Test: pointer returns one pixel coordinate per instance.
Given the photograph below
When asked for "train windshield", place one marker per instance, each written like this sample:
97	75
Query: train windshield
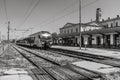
46	36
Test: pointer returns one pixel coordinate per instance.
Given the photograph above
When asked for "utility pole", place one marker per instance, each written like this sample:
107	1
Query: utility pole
8	30
80	23
0	37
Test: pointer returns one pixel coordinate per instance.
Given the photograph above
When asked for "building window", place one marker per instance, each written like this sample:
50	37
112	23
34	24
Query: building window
106	26
116	24
71	30
111	24
65	32
76	29
68	31
38	36
60	31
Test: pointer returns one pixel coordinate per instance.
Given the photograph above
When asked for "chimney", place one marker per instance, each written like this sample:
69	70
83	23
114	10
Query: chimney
117	16
98	14
108	18
91	20
102	19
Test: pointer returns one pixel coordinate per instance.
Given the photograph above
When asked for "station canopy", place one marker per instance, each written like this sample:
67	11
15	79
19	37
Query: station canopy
92	32
102	31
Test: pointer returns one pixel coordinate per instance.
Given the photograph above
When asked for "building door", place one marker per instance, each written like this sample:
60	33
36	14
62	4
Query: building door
82	41
76	40
90	40
98	40
108	40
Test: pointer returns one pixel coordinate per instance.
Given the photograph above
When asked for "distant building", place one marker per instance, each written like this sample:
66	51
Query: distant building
104	33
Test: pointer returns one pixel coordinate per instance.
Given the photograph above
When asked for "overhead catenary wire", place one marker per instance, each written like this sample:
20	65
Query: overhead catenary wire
89	4
71	12
6	13
26	13
29	14
59	12
63	16
63	10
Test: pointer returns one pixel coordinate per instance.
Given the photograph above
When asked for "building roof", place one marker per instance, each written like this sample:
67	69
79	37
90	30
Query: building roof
96	31
110	19
39	33
69	25
103	31
92	24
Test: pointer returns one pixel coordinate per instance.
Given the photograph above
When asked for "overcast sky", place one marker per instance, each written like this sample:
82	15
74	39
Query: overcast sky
49	15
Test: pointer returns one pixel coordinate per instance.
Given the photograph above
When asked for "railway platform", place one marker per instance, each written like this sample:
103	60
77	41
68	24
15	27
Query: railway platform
103	52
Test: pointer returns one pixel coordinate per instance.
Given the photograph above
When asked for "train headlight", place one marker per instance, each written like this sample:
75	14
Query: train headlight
50	42
46	35
43	42
96	79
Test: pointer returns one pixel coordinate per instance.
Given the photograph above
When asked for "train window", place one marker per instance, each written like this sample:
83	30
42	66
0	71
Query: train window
32	38
46	35
39	36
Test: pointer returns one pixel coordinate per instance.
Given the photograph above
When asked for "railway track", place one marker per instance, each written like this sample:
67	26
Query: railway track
27	57
56	71
86	56
40	74
89	74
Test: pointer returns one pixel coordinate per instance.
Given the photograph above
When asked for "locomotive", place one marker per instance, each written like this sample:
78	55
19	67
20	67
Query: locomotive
42	39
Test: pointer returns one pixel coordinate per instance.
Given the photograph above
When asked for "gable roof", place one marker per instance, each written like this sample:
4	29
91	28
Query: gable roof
69	25
93	24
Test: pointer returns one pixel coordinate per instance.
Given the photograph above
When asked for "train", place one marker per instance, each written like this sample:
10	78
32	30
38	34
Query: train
42	39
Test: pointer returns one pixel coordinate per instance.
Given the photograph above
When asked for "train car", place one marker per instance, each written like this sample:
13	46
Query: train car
24	42
42	39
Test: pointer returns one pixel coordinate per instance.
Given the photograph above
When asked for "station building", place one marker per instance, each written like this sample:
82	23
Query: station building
101	34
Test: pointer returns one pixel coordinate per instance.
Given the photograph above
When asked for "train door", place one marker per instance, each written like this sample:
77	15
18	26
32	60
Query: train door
36	43
39	41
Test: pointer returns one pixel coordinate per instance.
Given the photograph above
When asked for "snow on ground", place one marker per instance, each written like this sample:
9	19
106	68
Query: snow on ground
15	74
103	52
16	71
14	65
102	68
62	59
108	72
16	77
